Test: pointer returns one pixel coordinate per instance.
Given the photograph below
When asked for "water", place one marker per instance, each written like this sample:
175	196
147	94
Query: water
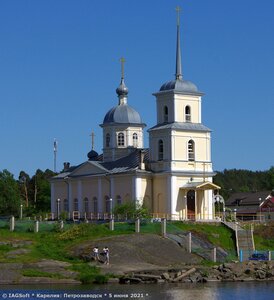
208	291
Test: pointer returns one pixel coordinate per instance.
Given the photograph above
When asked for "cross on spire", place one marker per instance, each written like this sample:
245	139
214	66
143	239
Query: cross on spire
92	140
178	9
122	60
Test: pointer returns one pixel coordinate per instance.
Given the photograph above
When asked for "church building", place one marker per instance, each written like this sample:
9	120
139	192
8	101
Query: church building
172	178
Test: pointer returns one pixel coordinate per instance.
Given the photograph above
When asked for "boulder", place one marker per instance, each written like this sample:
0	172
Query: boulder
260	274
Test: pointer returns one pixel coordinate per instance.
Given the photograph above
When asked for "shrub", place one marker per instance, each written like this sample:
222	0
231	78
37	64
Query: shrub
130	210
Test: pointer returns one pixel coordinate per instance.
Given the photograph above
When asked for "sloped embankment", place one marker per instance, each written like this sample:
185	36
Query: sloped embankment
138	252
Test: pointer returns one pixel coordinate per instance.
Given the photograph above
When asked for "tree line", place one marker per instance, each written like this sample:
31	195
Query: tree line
31	192
233	181
34	192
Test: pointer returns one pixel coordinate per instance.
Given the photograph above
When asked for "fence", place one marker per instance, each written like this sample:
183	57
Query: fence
92	216
257	255
192	243
138	225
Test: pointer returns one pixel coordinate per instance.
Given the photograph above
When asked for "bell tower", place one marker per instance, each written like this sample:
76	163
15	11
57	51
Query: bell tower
122	126
179	141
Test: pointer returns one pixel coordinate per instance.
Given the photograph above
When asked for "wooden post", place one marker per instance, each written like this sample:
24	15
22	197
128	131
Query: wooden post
269	255
137	225
111	224
21	211
214	255
163	227
188	243
36	227
12	223
61	224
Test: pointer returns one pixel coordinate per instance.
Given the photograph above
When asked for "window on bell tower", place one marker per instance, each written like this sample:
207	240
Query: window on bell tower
165	114
191	150
135	140
107	140
160	150
188	113
121	139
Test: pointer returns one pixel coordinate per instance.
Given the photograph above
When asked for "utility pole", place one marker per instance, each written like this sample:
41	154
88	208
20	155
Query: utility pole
55	153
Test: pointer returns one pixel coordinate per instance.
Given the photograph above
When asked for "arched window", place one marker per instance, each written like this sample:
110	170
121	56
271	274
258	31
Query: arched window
160	150
95	205
135	140
188	113
191	150
86	206
121	139
165	114
107	140
66	206
75	204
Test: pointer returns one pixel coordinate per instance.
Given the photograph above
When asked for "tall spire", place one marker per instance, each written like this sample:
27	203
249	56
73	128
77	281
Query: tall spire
178	48
122	90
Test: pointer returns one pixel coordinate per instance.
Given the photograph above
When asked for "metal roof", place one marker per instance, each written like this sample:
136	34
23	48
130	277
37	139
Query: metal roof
205	185
125	164
247	198
124	114
180	85
187	126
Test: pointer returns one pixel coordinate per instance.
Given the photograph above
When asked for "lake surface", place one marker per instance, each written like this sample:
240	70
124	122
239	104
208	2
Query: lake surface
207	291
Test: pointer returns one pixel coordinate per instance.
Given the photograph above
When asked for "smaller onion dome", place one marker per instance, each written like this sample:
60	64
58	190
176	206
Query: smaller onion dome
122	90
92	155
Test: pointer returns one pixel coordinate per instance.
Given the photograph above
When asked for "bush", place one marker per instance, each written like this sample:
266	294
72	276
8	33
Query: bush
265	231
130	210
76	231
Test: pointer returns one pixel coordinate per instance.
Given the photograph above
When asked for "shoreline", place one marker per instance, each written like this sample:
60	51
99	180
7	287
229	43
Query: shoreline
225	272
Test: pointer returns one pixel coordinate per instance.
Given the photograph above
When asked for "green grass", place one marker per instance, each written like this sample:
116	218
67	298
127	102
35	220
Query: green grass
55	245
51	243
264	236
218	235
88	274
37	273
263	244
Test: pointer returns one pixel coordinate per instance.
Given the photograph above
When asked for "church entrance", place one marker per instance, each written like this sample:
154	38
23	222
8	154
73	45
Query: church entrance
191	205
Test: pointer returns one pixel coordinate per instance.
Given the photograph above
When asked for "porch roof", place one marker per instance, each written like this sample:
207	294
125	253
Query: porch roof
205	185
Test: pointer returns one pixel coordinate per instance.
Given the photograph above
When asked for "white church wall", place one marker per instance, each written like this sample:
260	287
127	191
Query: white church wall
194	102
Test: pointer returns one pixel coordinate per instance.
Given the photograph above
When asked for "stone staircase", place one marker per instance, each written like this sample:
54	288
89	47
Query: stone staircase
245	243
244	240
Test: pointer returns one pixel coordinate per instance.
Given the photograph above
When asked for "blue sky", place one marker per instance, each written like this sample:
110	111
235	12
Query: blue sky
59	68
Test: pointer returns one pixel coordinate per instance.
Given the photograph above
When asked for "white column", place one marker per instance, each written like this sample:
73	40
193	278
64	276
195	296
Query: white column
80	197
209	201
196	205
112	188
172	150
128	138
172	195
203	206
70	201
200	111
138	190
99	193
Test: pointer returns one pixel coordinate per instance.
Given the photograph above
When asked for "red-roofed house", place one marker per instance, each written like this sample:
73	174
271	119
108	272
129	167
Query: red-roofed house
267	208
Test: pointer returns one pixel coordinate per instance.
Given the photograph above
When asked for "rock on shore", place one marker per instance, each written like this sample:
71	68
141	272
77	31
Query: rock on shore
247	271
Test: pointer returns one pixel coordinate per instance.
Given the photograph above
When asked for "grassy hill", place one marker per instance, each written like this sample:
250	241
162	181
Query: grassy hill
51	243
